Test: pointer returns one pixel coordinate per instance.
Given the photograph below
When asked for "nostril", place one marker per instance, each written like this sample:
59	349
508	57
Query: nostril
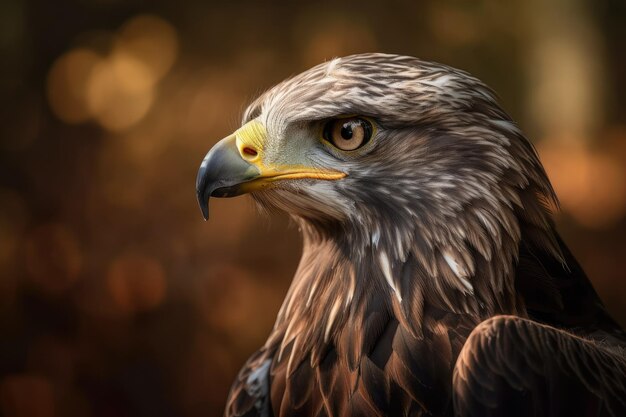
250	151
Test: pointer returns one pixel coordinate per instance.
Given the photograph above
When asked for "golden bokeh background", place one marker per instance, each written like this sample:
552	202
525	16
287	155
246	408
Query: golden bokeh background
116	299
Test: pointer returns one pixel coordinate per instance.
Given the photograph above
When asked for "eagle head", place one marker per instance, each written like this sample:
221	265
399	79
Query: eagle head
398	164
372	146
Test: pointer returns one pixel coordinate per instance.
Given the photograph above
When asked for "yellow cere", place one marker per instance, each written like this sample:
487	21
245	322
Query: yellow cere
251	135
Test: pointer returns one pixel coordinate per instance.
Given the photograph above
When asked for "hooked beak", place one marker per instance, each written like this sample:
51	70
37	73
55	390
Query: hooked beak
222	173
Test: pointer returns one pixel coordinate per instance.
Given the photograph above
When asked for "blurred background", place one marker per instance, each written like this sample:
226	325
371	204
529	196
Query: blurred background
116	298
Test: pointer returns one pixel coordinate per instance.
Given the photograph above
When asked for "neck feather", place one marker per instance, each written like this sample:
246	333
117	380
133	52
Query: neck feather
343	280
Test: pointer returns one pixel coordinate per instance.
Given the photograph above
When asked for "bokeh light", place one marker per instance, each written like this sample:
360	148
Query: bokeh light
136	283
53	258
68	81
151	41
112	97
116	90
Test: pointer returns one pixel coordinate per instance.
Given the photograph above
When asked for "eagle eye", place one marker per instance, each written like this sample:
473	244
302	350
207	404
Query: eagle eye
348	134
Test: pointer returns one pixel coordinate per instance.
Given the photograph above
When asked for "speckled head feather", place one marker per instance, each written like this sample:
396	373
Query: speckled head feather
431	230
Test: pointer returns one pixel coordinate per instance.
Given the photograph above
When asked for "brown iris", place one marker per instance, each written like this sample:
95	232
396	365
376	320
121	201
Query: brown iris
348	134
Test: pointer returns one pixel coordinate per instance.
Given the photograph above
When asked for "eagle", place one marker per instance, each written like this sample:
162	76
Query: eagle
432	280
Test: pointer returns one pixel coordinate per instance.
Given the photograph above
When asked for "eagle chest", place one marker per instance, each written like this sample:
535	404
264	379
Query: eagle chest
397	374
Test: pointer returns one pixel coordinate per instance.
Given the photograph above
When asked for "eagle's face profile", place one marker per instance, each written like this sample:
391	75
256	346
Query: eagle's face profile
354	140
427	237
386	152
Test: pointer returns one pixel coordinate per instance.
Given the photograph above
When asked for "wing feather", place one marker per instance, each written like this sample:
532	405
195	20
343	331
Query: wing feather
511	366
249	394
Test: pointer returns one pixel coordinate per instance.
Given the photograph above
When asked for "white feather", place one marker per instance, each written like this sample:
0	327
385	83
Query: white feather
386	268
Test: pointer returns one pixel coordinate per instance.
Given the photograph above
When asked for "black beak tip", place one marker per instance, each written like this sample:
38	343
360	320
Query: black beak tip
221	173
203	202
204	207
202	194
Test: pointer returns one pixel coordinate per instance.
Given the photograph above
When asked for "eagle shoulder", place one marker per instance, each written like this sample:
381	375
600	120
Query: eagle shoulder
249	394
512	366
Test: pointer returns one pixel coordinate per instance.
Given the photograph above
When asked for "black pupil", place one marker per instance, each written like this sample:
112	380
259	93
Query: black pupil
346	131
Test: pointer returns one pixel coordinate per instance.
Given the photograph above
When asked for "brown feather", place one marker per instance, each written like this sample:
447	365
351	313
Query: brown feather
432	280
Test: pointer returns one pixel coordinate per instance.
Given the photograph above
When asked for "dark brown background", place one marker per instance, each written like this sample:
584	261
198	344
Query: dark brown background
116	299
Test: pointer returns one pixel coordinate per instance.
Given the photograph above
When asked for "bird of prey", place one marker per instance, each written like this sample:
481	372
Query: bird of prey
432	280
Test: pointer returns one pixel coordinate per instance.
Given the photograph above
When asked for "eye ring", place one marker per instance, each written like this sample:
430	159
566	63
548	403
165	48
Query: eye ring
348	134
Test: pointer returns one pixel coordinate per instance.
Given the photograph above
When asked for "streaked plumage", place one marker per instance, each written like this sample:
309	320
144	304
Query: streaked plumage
432	280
